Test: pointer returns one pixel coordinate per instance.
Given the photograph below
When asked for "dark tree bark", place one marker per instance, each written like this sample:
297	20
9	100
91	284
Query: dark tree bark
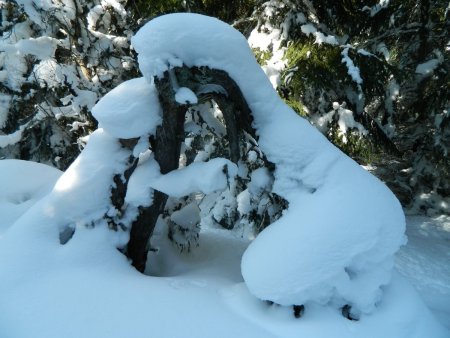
234	107
142	230
119	189
167	147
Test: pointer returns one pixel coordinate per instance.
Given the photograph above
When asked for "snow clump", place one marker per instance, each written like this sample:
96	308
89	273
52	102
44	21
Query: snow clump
133	104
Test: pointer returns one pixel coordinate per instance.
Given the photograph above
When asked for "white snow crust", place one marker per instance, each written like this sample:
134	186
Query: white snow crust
336	241
198	177
263	41
378	7
9	139
130	110
424	261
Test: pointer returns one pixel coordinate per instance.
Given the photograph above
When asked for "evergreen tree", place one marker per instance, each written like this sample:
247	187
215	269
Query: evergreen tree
57	60
374	78
372	75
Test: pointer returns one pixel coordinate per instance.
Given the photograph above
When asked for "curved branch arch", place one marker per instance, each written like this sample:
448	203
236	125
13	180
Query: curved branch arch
170	135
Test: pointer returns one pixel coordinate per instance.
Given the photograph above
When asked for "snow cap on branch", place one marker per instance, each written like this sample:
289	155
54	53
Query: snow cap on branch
130	110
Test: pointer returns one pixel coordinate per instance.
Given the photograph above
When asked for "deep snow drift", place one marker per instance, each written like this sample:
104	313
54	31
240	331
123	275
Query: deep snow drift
86	288
333	246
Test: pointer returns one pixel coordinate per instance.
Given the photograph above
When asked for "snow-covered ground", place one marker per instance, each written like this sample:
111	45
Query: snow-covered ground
425	262
87	288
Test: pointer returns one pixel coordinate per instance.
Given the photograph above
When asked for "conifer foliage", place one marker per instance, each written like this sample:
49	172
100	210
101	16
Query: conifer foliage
57	59
373	76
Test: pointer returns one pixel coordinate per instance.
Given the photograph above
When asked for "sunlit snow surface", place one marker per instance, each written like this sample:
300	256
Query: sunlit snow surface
87	289
334	245
130	110
425	262
22	184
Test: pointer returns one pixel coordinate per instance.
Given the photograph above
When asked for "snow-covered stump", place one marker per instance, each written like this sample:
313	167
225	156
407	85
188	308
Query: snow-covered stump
335	243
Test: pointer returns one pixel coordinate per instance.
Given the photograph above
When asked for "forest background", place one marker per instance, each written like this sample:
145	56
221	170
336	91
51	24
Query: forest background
373	76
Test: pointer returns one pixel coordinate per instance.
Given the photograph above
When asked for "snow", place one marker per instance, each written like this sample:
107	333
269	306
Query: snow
32	9
333	246
260	180
320	38
81	196
352	70
211	88
204	177
428	67
4	108
134	103
423	262
23	184
376	8
269	39
93	16
261	40
87	289
9	139
42	47
345	121
51	74
198	177
187	216
185	96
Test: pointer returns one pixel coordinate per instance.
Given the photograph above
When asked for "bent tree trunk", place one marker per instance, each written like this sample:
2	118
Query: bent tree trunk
169	136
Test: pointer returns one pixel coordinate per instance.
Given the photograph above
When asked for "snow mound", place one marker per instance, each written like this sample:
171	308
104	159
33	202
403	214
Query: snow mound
336	241
134	105
22	185
81	196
